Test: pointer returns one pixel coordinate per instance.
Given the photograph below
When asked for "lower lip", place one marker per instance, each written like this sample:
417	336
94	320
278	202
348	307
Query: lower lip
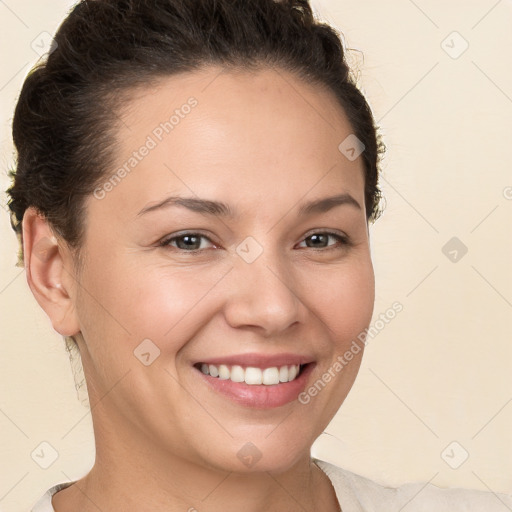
260	396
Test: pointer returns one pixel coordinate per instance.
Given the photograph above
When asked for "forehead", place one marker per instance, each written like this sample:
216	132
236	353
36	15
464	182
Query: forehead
250	137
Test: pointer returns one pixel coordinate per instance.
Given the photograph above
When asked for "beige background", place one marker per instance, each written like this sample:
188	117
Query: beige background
441	370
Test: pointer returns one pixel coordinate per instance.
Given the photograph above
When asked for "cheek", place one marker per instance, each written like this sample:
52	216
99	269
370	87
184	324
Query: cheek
162	303
343	299
124	304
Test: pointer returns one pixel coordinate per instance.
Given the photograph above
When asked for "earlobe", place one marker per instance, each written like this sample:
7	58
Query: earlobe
48	274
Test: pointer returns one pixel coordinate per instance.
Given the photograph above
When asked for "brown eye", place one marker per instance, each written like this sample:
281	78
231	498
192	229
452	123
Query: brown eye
320	240
188	242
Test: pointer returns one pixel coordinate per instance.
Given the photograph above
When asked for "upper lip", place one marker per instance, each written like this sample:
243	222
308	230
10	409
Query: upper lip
259	360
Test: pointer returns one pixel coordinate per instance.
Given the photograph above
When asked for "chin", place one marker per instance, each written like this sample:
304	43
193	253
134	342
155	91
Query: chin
263	453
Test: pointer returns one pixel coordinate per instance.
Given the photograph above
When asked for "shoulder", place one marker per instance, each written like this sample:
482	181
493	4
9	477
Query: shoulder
360	494
44	504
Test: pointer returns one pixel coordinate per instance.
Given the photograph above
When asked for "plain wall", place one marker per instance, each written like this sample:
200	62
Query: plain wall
440	371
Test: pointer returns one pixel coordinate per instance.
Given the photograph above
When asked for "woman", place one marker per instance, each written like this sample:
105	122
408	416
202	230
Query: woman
194	187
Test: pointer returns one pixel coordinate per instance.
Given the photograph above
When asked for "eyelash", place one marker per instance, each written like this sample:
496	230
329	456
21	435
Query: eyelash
344	241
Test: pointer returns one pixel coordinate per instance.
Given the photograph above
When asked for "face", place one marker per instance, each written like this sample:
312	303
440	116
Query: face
257	282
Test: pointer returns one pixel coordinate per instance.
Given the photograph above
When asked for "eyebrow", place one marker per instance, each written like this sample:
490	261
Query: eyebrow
220	209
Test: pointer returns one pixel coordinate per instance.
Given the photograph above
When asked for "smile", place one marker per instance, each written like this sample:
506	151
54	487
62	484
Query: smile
251	375
258	388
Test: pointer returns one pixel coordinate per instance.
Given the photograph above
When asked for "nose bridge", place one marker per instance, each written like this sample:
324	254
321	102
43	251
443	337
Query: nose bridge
264	295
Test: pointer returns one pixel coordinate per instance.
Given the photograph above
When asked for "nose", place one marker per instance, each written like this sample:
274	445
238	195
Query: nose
262	295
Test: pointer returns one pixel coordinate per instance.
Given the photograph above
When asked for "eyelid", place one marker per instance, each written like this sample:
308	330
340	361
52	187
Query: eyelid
326	231
164	242
342	237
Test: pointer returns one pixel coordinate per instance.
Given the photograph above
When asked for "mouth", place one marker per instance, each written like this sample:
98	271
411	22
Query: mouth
257	387
252	375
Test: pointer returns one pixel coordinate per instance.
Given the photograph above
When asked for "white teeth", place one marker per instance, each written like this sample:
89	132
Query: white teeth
251	375
270	376
237	374
223	372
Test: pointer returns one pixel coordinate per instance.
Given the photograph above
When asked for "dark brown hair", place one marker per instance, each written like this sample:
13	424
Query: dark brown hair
66	116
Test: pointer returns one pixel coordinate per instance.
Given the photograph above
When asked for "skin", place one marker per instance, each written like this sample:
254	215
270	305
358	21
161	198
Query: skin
263	142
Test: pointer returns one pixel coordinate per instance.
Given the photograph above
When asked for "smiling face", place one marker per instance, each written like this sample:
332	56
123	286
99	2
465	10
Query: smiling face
258	276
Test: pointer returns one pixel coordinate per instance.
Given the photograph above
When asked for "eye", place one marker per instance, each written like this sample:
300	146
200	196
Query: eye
191	241
188	242
320	239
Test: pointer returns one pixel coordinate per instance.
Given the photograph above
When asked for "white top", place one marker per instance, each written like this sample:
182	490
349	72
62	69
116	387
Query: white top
356	493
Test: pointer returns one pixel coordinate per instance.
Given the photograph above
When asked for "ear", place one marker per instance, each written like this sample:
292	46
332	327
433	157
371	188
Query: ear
49	270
